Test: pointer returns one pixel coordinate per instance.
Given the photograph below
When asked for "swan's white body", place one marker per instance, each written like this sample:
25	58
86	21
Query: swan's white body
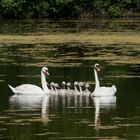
102	91
30	89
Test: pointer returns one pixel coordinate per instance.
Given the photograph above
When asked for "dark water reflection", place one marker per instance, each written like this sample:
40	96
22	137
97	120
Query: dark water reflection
69	117
60	117
68	26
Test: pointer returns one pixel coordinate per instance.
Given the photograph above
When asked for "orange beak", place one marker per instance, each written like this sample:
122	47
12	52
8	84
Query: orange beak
98	69
46	72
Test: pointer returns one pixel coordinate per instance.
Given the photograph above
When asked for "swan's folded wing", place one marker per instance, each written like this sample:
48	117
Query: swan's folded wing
107	91
28	89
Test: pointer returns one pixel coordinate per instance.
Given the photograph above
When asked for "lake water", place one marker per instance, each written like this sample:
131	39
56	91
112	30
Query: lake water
70	117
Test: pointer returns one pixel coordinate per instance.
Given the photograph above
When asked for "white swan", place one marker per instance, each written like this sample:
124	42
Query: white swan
102	91
33	89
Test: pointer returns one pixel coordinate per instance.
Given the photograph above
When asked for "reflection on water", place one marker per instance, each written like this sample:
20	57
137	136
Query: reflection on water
104	103
57	112
68	26
67	101
29	103
66	116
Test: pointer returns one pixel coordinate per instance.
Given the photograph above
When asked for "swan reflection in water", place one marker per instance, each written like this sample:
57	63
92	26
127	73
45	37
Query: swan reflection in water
69	99
105	103
47	103
31	103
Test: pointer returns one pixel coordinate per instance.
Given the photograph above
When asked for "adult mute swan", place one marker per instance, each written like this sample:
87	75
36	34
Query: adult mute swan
101	91
30	89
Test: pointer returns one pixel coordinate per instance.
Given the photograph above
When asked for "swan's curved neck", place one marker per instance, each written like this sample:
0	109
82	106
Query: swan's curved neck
44	83
97	84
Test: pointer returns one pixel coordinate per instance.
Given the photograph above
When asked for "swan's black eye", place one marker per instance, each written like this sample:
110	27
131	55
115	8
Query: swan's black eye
97	66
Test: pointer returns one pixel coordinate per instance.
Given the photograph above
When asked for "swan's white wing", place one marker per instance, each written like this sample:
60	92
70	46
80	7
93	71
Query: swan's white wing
28	89
107	91
104	91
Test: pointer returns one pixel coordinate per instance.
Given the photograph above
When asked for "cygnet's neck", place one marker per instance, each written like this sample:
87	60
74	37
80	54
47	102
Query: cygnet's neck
44	83
97	84
75	88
